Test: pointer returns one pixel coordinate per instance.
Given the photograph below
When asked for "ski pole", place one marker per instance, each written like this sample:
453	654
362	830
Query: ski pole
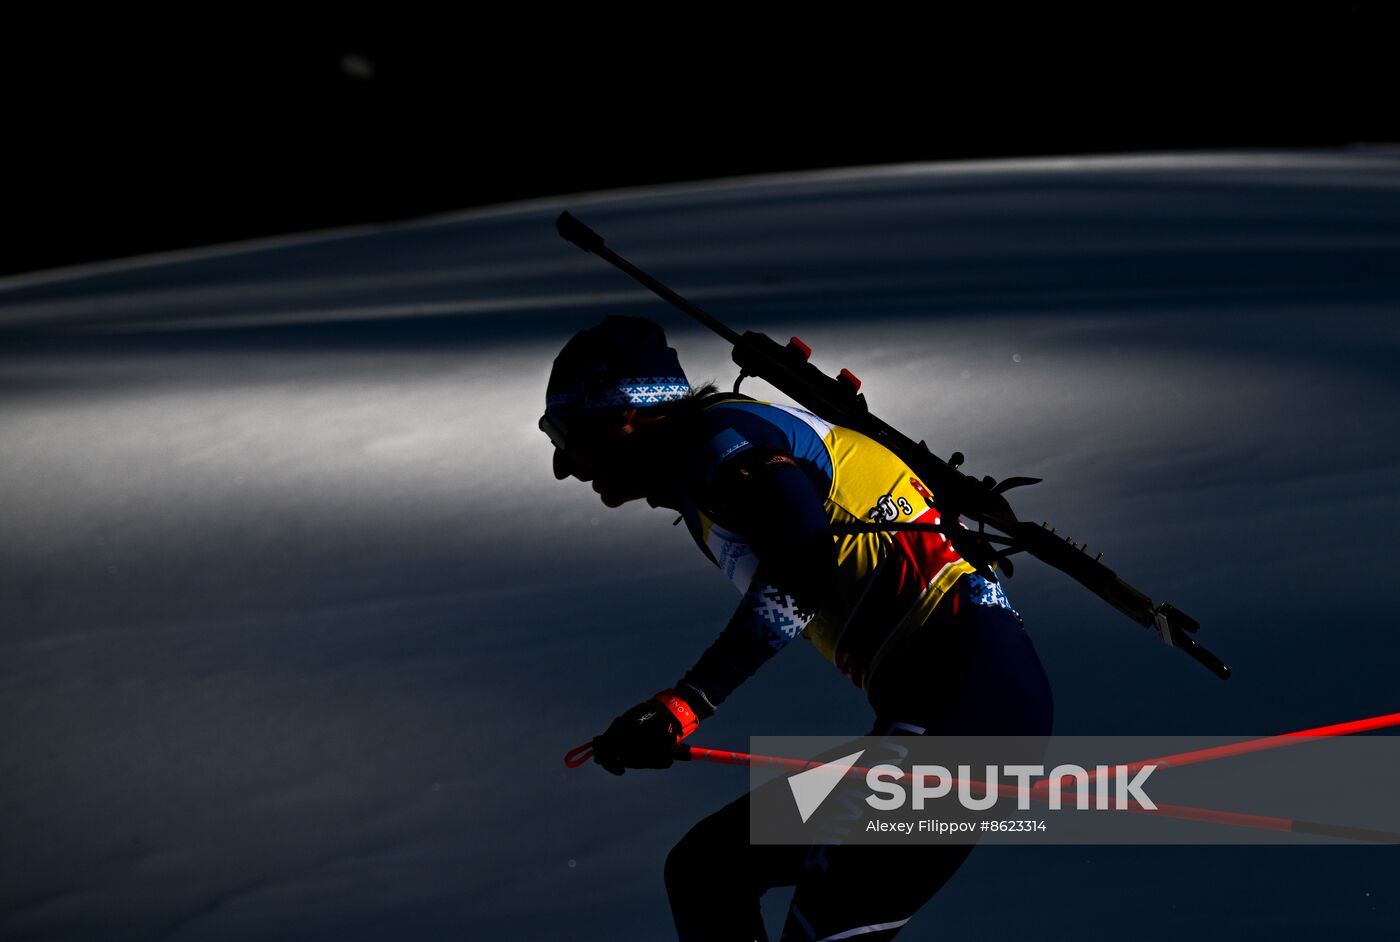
1297	737
1257	745
582	753
686	753
1175	812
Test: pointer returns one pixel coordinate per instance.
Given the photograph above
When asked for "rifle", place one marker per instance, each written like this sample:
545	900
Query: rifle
838	400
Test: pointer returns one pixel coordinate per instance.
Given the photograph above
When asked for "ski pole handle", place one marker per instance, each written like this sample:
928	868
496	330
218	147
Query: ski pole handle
578	755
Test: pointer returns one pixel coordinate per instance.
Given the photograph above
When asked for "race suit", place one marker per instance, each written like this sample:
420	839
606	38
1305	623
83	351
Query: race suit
934	644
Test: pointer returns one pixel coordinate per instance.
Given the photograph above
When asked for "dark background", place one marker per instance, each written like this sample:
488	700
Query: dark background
140	135
289	599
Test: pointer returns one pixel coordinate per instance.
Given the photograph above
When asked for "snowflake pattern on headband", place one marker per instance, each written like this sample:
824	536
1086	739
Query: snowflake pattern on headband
639	392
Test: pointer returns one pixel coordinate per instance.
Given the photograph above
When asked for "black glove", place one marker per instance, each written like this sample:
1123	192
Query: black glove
645	736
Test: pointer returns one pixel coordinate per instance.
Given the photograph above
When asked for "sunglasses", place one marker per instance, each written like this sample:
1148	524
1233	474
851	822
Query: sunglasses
576	442
581	431
557	431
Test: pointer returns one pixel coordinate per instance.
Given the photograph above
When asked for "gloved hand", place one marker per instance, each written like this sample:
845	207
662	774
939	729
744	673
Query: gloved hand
645	736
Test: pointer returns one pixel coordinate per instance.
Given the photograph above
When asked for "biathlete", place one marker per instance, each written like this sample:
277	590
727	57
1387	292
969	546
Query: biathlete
932	641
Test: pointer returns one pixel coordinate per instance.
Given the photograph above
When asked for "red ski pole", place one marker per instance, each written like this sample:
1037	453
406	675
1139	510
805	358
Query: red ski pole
581	754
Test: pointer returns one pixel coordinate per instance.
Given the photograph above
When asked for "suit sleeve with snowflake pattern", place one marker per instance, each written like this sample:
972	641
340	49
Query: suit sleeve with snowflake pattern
779	510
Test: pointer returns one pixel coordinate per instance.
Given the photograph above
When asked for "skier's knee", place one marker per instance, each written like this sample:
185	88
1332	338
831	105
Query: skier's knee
679	871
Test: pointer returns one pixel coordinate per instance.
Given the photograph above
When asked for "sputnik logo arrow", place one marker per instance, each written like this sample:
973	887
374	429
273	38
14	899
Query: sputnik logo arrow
810	788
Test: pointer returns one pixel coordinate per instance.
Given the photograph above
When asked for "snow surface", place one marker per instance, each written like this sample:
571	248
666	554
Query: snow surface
296	625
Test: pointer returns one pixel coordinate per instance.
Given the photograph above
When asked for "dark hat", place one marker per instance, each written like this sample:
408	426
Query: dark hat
622	363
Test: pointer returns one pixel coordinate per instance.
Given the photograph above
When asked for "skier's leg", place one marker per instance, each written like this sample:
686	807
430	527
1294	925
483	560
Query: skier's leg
867	892
973	671
1004	691
714	877
977	674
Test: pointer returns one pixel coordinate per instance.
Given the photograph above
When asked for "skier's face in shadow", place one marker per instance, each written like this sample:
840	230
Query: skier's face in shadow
614	452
